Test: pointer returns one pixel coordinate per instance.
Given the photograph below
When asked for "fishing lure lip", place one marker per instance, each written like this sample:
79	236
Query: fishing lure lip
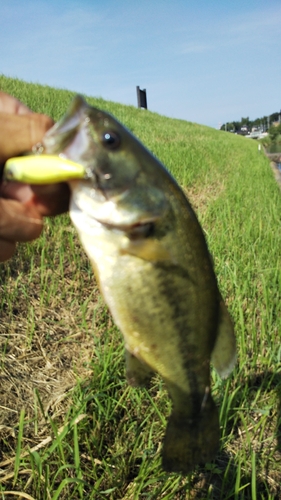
43	169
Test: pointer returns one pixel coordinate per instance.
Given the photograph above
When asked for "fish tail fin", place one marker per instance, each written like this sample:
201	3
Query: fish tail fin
191	440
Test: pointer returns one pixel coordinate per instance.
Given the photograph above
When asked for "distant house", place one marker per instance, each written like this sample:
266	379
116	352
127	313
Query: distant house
244	130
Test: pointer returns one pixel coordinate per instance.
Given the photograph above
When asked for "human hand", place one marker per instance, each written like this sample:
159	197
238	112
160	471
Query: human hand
22	206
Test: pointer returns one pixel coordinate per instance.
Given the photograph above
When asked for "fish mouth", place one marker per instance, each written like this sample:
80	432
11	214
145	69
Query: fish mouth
97	216
134	232
132	211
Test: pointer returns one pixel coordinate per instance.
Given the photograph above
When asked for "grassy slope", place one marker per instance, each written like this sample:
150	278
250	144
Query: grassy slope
51	306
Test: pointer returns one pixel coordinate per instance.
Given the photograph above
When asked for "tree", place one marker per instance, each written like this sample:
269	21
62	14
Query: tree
274	132
246	122
274	117
264	123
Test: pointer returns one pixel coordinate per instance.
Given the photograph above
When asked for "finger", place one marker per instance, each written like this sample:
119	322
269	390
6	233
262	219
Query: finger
16	191
9	104
51	199
19	133
19	222
7	250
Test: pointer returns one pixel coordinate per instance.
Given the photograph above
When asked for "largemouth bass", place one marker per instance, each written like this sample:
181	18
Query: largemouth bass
155	272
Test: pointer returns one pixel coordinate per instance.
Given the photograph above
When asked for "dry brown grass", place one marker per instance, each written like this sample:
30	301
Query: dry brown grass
46	346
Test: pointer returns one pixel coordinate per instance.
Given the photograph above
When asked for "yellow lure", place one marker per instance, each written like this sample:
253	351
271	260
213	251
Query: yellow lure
42	169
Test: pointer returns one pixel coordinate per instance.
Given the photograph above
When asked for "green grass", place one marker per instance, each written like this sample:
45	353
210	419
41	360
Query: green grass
70	426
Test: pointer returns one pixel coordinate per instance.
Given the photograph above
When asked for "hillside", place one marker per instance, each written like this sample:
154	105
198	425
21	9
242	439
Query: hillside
70	426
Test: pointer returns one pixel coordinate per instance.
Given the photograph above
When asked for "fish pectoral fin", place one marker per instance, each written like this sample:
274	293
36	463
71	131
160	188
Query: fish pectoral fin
137	372
147	249
191	440
224	353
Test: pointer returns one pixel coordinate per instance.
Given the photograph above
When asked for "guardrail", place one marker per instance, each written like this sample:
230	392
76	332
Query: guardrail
256	135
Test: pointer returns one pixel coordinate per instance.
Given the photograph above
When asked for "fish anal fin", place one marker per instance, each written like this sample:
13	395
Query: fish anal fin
137	372
224	353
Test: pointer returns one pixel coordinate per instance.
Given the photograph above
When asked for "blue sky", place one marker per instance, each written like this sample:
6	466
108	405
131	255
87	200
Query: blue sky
205	61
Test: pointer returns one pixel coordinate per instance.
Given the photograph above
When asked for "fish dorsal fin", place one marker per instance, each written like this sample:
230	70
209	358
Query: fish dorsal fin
224	353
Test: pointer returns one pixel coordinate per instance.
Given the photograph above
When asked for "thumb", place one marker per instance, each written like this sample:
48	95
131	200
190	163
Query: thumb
20	132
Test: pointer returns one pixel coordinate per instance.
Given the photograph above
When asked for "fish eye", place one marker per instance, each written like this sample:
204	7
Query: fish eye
110	139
